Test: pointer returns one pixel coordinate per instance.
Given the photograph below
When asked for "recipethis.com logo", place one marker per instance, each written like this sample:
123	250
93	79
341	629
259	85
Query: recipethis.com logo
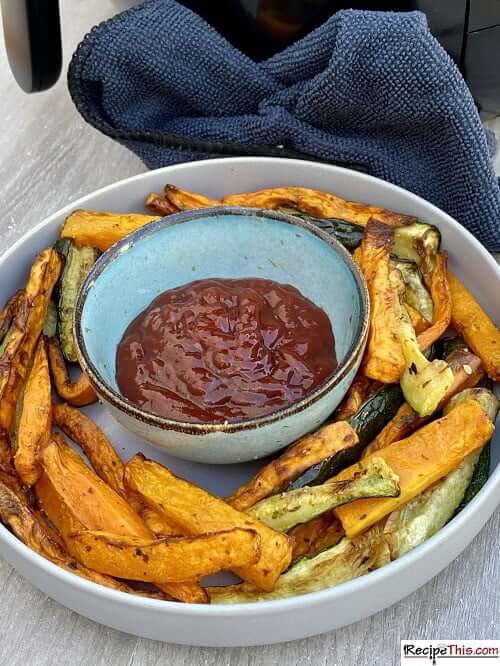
450	652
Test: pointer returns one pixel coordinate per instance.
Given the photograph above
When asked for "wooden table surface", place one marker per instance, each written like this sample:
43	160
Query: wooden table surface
49	157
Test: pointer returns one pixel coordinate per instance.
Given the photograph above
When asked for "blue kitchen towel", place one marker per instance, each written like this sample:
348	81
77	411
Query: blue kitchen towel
370	89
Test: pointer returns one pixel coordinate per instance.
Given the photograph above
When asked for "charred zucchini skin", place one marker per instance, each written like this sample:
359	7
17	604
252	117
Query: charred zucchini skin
79	261
368	421
479	477
347	233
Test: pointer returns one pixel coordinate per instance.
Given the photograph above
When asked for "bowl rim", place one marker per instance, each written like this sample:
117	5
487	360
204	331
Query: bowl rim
123	404
470	514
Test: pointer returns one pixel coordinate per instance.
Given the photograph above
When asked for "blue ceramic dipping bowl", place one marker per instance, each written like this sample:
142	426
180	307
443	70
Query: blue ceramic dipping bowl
224	243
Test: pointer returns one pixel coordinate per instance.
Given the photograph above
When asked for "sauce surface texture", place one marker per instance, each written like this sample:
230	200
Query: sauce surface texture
220	350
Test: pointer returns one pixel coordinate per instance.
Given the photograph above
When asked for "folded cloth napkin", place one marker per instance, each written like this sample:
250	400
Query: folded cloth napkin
371	89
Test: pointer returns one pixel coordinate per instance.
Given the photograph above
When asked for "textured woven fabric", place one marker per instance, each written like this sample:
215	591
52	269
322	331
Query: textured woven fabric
368	88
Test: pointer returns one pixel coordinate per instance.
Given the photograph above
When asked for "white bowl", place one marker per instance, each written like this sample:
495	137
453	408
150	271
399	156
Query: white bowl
296	617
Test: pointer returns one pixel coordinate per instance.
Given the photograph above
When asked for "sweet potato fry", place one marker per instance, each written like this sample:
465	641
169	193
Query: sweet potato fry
102	229
159	204
441	297
317	203
93	442
106	462
308	451
7	314
317	535
171	559
467	372
77	393
475	326
184	200
25	330
383	360
74	498
35	423
355	397
17	516
419	460
198	512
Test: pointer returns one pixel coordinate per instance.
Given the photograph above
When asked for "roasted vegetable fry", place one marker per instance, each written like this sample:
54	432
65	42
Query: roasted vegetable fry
347	233
35	422
79	261
467	372
318	204
317	535
403	530
424	383
50	324
480	476
74	498
441	298
167	560
418	243
486	399
346	561
181	502
77	393
93	442
284	511
383	358
34	533
159	204
297	458
367	421
416	294
183	200
26	328
101	230
477	329
420	460
6	317
355	397
417	321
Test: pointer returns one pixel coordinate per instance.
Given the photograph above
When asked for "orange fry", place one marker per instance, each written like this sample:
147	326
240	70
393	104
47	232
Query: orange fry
77	393
441	297
475	326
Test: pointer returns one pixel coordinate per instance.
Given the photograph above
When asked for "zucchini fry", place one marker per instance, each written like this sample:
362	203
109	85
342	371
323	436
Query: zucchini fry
35	423
346	561
298	457
79	261
25	330
77	393
417	321
477	329
419	460
418	243
181	502
109	467
416	294
102	229
284	511
437	282
467	372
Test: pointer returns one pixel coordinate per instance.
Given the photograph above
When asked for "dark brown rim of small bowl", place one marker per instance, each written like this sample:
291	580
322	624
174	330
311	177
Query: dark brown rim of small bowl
130	409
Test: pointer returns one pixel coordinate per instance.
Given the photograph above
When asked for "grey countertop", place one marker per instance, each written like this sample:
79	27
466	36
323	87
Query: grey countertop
49	157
